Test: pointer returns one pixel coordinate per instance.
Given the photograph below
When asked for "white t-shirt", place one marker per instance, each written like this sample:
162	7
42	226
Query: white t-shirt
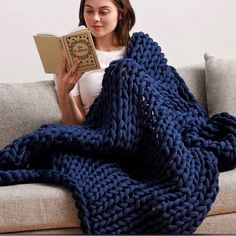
90	84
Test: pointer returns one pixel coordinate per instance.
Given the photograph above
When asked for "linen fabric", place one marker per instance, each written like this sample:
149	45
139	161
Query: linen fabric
220	84
17	100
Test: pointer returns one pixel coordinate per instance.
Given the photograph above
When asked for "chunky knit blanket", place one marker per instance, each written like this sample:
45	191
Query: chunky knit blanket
146	160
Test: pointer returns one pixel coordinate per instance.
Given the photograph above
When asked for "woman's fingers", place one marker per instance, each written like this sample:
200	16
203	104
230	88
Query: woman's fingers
74	74
71	76
73	69
66	80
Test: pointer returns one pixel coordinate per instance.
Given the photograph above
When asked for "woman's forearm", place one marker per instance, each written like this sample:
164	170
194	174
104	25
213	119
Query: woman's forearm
71	113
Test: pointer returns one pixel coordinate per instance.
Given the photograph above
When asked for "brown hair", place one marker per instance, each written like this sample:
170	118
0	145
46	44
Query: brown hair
125	23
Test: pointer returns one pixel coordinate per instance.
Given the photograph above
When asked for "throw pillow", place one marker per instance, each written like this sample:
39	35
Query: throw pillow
220	84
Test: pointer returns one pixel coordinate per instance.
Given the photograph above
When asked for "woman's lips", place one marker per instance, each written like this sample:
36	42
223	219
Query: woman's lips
96	26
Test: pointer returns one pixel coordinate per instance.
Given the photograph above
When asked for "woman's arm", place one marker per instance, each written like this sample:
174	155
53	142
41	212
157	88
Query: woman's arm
72	111
71	107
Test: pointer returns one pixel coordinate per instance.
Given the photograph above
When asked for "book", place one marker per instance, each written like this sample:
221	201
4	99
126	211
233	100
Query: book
76	45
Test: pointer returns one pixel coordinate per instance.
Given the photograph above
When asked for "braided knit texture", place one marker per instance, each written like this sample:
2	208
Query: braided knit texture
146	160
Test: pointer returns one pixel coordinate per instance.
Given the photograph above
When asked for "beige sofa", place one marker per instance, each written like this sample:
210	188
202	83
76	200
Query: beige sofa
44	208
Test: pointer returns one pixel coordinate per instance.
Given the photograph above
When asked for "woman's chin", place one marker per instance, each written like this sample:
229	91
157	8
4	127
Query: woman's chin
96	32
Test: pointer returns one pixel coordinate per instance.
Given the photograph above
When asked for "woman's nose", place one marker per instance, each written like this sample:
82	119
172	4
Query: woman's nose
96	17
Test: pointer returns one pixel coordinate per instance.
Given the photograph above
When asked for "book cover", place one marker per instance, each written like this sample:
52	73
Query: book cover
76	45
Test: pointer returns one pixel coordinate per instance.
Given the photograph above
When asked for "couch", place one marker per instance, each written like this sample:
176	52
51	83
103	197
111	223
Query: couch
49	209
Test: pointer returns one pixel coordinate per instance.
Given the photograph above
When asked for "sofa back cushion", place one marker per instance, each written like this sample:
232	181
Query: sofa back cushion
220	84
24	107
194	77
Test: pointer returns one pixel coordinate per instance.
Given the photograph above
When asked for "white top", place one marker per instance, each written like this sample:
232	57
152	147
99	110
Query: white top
90	84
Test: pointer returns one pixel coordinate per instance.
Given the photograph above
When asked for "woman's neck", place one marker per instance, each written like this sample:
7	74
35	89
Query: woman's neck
107	44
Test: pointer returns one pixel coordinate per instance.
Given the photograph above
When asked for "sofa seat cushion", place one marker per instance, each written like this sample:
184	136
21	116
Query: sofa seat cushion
36	206
218	224
42	206
225	200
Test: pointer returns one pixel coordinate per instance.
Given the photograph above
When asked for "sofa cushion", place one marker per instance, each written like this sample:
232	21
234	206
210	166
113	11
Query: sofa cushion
225	200
220	84
26	106
36	206
61	231
223	224
42	206
194	77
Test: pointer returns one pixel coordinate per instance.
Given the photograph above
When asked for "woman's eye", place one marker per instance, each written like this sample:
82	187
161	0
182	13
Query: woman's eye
104	13
89	11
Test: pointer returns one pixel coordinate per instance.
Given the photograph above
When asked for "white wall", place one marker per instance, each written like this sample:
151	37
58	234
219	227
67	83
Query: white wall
185	29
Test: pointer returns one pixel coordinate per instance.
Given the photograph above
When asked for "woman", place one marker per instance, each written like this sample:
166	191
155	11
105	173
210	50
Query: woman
110	22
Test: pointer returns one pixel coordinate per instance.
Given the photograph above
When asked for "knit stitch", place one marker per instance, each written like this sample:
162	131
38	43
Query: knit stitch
147	158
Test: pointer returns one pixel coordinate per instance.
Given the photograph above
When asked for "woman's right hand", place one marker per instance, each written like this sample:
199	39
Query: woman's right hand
71	107
66	80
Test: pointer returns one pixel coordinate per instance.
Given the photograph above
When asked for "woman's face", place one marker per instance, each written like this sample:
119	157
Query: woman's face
101	17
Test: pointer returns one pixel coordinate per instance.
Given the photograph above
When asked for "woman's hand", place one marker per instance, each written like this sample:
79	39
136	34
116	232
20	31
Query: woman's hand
66	80
71	107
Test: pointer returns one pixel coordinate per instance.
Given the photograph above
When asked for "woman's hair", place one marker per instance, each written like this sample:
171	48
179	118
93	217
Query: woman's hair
125	23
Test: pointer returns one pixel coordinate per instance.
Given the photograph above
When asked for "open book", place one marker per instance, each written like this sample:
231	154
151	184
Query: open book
76	45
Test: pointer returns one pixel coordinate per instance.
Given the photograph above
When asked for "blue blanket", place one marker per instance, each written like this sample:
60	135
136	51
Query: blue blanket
146	160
